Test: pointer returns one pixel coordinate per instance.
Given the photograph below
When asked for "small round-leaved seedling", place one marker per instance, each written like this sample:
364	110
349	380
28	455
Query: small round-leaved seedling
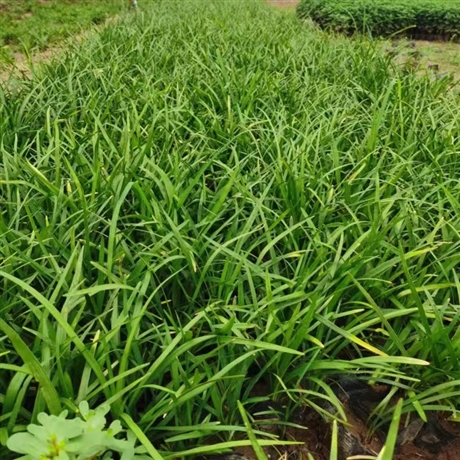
74	439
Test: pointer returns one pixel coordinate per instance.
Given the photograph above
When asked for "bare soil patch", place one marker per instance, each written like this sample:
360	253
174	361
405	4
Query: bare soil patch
284	3
436	439
315	440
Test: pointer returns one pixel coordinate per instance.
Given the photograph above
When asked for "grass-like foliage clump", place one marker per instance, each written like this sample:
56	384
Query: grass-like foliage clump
208	196
417	18
27	25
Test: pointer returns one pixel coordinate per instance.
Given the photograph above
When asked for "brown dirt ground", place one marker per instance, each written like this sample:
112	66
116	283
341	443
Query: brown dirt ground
314	437
21	67
315	440
284	3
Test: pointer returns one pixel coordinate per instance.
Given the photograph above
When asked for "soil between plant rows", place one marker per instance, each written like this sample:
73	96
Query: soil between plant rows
284	3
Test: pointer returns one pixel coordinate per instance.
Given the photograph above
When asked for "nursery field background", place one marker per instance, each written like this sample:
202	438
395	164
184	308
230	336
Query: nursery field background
210	204
34	25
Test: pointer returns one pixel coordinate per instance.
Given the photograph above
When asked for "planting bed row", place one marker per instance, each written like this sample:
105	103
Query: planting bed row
426	19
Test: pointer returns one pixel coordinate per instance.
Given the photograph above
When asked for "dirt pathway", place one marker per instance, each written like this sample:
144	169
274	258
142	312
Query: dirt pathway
21	68
284	3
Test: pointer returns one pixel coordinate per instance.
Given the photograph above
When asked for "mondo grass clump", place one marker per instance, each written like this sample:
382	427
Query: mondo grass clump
424	19
208	199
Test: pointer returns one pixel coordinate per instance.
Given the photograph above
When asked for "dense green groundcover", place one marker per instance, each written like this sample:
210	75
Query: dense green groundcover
27	25
209	196
436	18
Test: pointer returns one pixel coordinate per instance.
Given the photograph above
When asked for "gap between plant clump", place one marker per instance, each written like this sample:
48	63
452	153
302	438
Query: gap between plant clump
284	3
435	439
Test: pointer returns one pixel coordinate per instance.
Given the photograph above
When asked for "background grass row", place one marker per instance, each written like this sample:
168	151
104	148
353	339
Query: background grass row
208	197
437	19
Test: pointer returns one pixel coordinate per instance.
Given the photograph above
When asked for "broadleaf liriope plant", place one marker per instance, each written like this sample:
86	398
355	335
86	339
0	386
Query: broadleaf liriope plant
80	438
209	199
